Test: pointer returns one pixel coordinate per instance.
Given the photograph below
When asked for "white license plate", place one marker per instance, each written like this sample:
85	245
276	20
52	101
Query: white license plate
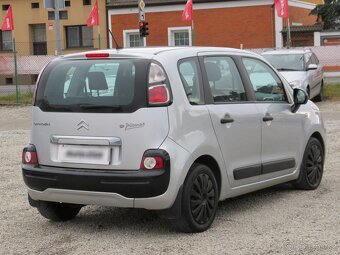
84	154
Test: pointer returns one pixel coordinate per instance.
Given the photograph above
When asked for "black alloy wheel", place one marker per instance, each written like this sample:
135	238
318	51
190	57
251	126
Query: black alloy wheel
202	199
312	166
199	200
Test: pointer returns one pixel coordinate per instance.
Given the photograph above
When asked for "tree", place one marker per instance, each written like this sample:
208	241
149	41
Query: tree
328	13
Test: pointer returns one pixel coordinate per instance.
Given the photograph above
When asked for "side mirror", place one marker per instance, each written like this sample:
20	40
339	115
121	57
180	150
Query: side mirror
300	97
312	67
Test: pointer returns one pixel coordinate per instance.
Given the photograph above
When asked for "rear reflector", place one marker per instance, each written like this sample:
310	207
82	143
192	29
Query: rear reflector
158	94
97	55
151	163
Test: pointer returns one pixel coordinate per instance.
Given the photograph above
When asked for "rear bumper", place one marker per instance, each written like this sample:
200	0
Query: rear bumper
126	183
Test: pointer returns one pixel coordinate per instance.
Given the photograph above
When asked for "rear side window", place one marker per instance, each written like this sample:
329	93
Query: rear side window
189	72
116	85
224	80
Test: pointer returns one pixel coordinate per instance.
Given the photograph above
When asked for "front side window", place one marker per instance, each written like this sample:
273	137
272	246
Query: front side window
189	73
5	40
308	59
180	36
224	80
266	84
93	85
315	59
79	36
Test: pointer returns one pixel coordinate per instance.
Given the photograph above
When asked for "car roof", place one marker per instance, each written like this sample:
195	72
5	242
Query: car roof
286	51
151	52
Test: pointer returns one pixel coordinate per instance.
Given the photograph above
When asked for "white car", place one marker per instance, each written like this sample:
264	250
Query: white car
169	129
301	68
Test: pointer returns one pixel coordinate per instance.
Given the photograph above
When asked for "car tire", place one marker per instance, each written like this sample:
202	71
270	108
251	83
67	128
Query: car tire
319	97
311	170
199	200
58	211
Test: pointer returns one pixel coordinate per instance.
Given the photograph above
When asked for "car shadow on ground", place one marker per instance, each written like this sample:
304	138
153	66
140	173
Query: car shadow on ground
101	219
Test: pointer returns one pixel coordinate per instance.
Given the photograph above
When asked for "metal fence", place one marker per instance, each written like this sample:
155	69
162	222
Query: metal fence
30	60
329	56
29	66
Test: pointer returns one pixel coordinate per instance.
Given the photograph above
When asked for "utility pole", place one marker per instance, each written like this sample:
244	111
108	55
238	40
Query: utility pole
58	4
143	25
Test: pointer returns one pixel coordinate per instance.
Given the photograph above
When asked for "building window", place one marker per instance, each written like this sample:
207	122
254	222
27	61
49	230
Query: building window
179	36
67	3
62	15
5	7
9	81
39	39
86	2
79	36
5	40
35	5
133	39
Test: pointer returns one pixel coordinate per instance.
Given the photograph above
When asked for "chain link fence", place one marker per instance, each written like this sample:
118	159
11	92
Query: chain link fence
30	60
29	66
329	56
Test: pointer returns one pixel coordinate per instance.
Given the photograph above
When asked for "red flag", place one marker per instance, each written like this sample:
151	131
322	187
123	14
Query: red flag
187	13
7	23
282	8
93	19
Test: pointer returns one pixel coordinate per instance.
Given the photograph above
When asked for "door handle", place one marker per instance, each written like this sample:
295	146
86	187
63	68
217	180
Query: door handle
227	119
268	117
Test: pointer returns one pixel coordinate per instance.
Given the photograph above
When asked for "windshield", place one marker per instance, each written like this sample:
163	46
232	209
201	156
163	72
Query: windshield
286	62
110	85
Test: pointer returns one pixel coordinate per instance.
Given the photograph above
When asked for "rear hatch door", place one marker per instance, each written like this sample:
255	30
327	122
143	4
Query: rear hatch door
93	114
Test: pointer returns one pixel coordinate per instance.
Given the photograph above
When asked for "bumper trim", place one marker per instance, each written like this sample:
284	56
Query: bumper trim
81	197
127	183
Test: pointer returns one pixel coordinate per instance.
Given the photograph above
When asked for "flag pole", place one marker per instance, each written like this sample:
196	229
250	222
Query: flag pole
98	37
192	32
15	69
98	26
288	34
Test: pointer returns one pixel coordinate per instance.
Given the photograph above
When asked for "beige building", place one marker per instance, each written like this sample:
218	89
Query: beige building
35	31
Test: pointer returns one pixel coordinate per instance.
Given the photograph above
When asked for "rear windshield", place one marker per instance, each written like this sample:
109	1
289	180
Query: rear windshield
111	85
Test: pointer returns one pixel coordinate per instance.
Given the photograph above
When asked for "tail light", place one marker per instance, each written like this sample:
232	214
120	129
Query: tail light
155	159
29	155
158	91
158	94
152	163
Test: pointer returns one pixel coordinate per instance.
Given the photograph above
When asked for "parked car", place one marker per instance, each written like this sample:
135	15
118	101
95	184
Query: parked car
301	68
169	129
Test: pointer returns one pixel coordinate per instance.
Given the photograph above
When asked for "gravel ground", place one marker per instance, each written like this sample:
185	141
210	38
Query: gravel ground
278	220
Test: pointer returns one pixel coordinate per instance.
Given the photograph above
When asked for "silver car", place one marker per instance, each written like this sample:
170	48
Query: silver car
301	68
169	129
